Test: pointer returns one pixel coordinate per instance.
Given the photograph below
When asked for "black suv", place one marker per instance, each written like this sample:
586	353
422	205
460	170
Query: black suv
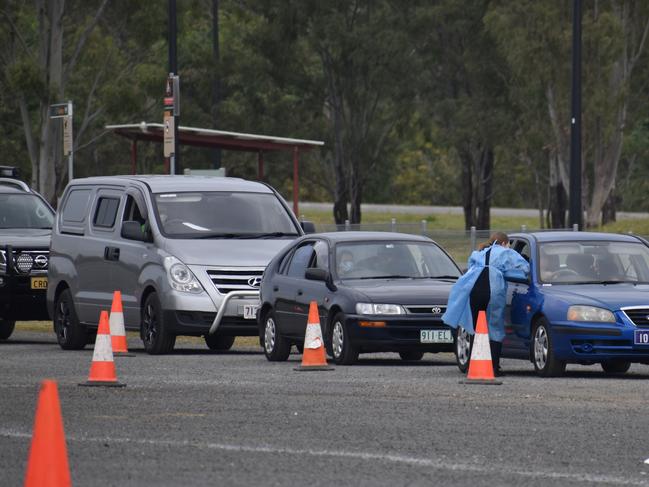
25	228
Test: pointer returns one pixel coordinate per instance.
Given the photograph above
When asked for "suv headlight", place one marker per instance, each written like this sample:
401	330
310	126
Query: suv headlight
180	277
379	309
590	313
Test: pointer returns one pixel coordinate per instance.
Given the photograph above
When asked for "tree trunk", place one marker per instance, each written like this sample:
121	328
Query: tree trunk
558	198
467	190
484	189
610	208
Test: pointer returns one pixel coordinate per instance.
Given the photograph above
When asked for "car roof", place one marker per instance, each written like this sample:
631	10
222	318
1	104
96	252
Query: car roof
356	236
568	236
166	183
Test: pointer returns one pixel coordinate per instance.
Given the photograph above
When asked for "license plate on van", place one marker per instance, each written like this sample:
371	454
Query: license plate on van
435	336
250	311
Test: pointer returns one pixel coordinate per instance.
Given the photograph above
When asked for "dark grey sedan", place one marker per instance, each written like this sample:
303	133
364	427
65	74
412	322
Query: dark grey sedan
376	292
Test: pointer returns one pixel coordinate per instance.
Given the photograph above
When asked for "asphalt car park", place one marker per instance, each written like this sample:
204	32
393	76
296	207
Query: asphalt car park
198	418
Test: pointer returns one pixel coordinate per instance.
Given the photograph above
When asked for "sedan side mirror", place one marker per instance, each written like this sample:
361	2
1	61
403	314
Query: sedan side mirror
315	274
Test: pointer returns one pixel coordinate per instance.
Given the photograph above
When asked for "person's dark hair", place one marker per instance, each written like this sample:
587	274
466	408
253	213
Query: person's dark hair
496	237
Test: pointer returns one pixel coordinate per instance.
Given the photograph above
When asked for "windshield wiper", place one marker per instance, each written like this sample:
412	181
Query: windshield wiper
394	276
603	282
271	235
440	277
219	235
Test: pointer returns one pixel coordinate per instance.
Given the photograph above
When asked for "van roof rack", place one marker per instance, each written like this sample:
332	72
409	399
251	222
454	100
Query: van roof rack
16	183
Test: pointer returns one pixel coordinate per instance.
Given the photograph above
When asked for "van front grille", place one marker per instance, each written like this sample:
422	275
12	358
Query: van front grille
231	279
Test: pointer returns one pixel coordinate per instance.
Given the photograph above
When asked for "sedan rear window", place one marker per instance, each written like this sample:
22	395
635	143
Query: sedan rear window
390	259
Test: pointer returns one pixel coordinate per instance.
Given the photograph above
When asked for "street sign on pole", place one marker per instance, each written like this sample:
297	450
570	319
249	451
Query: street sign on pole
64	111
67	135
59	110
168	136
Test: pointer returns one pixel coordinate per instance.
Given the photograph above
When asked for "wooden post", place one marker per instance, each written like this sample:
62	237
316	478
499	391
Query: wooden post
260	166
134	156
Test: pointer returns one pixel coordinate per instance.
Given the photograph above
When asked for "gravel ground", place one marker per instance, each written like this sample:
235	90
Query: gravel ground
198	418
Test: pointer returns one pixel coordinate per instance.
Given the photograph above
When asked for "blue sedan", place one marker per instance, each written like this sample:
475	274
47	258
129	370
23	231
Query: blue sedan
586	302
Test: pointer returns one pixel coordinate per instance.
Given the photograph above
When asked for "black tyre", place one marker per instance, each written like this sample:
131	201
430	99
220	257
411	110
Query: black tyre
462	349
6	328
91	337
616	366
543	356
153	330
276	347
219	343
411	356
343	350
70	334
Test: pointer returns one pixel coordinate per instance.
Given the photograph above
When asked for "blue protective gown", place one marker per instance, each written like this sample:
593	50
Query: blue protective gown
502	262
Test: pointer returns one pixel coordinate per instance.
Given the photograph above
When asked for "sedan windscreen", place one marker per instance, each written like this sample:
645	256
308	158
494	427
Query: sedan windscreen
593	262
407	260
223	215
24	211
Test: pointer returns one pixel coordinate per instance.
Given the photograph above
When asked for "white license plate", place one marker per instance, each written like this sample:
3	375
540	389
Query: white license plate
250	311
435	336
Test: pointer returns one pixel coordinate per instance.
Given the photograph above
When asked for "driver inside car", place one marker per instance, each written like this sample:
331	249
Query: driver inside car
345	263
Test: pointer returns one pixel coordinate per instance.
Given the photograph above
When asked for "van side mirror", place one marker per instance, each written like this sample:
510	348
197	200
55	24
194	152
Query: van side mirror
132	230
307	226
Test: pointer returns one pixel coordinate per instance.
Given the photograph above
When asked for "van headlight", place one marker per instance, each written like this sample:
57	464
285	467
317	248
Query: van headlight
378	309
181	277
590	313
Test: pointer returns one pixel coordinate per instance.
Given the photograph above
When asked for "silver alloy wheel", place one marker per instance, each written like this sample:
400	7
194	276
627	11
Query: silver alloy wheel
63	319
269	335
337	339
463	346
540	347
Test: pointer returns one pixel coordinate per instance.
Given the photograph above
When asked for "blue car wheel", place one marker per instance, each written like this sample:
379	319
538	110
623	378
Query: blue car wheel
543	356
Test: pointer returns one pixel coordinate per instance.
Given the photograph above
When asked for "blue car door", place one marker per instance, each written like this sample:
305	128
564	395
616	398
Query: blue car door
517	314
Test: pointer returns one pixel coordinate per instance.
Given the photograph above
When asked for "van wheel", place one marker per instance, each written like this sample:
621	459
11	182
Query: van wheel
6	329
157	340
545	361
70	334
219	343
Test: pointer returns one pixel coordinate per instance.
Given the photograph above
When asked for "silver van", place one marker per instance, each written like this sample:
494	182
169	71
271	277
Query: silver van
186	252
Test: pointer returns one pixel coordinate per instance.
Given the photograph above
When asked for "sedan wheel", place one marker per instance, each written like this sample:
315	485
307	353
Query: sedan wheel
276	347
342	350
462	349
616	366
411	356
543	356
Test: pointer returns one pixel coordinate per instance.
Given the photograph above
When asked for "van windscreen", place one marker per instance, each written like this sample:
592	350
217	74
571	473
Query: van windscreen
223	215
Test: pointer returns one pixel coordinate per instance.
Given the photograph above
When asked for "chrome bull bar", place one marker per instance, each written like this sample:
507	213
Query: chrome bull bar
231	295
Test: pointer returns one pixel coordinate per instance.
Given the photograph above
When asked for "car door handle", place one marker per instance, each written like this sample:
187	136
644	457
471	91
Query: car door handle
299	292
275	288
111	253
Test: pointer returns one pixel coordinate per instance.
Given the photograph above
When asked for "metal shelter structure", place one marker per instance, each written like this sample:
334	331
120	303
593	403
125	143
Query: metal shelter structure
154	132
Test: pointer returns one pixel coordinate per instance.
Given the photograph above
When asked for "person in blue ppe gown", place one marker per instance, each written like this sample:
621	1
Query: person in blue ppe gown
484	287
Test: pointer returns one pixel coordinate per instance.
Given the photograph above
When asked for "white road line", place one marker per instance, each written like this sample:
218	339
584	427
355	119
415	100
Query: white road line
369	456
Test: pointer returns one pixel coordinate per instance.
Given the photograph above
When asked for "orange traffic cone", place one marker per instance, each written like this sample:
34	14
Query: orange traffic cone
313	356
117	331
47	465
481	369
102	368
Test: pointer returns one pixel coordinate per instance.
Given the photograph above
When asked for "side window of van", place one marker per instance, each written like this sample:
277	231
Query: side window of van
76	206
106	212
